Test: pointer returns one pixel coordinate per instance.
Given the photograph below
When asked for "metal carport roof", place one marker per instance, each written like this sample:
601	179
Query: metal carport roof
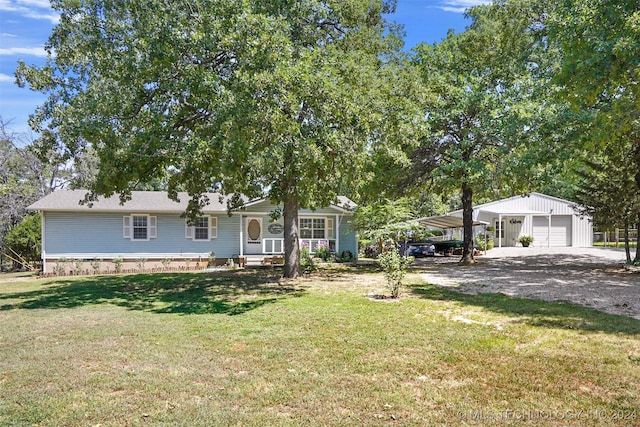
446	221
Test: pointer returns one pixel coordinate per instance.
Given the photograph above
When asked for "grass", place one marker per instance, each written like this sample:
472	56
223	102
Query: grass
242	348
614	244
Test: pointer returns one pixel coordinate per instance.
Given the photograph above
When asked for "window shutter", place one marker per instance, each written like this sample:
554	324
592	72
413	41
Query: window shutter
213	227
126	227
153	227
188	230
331	232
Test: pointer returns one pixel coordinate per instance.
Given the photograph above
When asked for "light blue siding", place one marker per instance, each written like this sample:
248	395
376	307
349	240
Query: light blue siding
101	233
348	238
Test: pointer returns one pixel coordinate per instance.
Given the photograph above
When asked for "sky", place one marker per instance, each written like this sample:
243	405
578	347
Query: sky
25	26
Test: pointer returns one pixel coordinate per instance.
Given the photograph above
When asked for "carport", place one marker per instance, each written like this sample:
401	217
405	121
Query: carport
447	222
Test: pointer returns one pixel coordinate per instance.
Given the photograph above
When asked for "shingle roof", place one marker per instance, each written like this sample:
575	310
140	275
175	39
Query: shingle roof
345	203
141	201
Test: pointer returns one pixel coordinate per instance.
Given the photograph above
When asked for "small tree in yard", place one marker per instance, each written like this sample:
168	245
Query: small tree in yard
394	267
386	223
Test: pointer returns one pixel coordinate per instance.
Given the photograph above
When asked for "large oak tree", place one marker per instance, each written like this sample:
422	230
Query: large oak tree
282	99
482	114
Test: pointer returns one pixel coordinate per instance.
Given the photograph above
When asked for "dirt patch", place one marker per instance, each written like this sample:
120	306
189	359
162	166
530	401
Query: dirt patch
591	280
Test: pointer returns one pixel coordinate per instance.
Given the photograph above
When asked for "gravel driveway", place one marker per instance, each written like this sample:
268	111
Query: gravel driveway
590	277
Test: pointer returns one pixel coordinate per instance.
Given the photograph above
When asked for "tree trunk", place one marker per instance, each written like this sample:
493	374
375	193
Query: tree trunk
291	237
467	222
637	158
637	259
627	250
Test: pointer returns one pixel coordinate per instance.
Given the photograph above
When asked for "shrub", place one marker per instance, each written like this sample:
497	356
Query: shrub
526	239
140	263
480	242
117	264
322	250
394	267
23	241
166	262
78	265
306	262
211	259
60	267
346	256
95	265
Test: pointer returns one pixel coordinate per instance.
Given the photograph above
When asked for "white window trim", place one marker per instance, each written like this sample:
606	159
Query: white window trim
330	231
326	230
127	227
190	230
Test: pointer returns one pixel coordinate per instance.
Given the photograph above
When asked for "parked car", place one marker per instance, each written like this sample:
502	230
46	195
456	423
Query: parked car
419	250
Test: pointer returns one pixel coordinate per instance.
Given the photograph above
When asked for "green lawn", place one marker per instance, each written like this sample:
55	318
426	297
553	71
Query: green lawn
241	348
614	245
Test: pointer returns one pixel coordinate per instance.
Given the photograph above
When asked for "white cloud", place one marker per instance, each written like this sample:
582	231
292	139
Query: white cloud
45	4
30	51
34	9
8	35
52	17
5	78
460	6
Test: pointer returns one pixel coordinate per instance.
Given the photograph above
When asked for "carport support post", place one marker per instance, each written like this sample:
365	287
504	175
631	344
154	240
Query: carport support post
486	238
549	232
499	230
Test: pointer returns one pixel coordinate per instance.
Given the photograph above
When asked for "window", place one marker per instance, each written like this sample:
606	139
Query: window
499	233
312	228
201	229
204	228
139	227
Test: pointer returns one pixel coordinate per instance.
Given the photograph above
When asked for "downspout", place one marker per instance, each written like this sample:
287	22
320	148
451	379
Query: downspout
549	230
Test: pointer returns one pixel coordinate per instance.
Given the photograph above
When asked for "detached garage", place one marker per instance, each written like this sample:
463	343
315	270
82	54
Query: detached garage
552	222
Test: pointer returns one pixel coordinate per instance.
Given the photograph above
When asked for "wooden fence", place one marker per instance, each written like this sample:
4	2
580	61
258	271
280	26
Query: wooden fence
614	237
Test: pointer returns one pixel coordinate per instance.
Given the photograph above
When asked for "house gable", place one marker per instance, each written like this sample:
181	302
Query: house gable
532	203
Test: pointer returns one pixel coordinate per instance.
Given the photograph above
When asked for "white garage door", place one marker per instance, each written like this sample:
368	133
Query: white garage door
559	235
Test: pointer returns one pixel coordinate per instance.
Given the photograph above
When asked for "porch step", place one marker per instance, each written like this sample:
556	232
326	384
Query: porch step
258	260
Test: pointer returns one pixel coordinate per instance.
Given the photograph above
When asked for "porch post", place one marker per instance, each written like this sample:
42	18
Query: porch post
336	225
499	230
241	235
549	233
43	252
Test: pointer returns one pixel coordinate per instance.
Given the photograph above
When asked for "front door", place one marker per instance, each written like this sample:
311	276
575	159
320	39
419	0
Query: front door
253	233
